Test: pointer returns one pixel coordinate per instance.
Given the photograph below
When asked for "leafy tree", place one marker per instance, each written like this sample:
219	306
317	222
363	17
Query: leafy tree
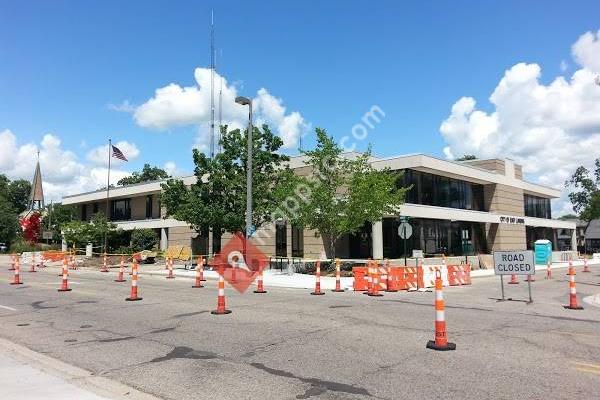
467	157
586	194
342	194
31	227
15	192
147	174
81	233
9	224
218	199
56	217
143	239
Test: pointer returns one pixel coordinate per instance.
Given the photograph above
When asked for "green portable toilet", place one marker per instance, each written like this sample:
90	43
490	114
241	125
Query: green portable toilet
543	251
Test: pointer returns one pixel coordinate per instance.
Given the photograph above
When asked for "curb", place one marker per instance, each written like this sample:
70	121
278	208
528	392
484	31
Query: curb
76	376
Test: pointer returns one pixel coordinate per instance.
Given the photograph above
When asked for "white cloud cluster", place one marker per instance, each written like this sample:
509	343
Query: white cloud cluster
175	106
549	129
62	172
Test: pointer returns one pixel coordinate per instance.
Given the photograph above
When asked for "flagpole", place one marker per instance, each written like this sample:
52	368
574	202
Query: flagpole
107	194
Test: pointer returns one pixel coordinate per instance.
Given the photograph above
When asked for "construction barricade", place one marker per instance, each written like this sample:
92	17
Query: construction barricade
459	275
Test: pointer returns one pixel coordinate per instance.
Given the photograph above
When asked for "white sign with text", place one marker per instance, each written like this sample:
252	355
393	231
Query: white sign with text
514	262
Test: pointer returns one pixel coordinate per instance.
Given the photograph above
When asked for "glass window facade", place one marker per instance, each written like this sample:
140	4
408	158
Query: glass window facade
297	242
538	207
120	210
281	239
435	190
149	206
456	238
536	233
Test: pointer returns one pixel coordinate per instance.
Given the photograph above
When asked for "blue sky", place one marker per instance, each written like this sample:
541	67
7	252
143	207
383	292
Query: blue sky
64	62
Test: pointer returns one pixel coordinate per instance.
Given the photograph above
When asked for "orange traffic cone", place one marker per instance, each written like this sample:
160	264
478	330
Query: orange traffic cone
259	283
65	277
199	273
17	276
338	279
104	264
585	266
120	277
134	283
375	281
572	291
318	291
391	284
549	270
12	262
170	262
221	296
530	278
513	280
73	262
441	339
32	269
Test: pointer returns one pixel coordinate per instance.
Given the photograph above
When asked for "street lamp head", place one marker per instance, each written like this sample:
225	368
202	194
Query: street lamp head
242	100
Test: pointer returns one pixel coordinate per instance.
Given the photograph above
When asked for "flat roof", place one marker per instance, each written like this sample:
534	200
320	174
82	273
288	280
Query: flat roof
417	161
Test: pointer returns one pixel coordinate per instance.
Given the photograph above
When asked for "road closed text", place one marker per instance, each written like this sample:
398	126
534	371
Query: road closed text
514	262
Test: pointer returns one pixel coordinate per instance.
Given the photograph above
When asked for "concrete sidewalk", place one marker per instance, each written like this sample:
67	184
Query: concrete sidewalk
27	375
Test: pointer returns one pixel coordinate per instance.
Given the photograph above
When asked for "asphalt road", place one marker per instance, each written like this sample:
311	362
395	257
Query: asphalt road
288	344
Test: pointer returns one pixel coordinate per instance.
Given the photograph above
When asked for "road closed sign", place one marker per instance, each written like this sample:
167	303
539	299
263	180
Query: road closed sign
517	262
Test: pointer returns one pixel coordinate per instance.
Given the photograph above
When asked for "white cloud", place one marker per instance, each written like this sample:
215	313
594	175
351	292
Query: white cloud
62	172
549	129
174	106
125	106
99	155
173	170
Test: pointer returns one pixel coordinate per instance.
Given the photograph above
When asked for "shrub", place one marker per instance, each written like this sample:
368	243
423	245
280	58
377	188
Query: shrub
143	239
21	245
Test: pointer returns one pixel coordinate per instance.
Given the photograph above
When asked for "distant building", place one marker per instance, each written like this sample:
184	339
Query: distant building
564	236
592	237
455	208
36	196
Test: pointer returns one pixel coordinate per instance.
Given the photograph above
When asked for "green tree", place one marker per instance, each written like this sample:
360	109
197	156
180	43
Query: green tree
147	174
218	199
467	157
143	239
585	196
18	192
56	216
9	224
13	199
81	233
341	194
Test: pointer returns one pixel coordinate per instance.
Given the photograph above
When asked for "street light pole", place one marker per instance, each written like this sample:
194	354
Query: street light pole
248	102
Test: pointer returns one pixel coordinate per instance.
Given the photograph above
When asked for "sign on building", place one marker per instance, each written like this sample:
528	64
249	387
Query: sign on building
514	262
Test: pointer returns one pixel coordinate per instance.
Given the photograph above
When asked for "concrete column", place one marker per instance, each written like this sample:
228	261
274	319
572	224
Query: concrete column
377	238
164	239
574	240
63	246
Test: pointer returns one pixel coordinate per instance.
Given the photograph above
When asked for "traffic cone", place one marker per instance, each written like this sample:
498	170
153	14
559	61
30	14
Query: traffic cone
549	270
338	279
585	266
441	339
221	296
170	276
134	283
65	264
42	261
259	283
65	278
513	280
318	291
73	262
17	276
12	262
199	273
32	269
572	291
376	276
104	265
530	278
201	263
120	277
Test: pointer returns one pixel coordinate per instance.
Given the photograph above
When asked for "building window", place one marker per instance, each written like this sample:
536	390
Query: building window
95	208
435	190
537	207
120	210
149	199
297	242
84	212
281	239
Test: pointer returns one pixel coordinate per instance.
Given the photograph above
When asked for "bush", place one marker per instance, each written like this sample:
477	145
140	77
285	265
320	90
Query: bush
21	245
143	239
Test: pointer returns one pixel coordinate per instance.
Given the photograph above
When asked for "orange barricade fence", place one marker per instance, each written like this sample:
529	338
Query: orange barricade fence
360	283
428	273
413	278
54	255
459	274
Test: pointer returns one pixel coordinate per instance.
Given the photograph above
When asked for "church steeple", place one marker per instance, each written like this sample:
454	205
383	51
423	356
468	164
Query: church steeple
36	197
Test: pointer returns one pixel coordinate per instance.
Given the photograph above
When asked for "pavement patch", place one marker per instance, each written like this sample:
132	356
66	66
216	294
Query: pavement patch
37	305
189	314
186	352
163	330
111	340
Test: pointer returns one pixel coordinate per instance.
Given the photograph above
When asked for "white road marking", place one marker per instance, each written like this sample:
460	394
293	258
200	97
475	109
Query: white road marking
60	283
593	300
8	308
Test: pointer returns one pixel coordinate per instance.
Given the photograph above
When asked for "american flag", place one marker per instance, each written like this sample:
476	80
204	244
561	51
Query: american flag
116	153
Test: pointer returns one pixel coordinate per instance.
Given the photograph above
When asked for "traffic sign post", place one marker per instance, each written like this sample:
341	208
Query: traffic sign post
514	262
405	232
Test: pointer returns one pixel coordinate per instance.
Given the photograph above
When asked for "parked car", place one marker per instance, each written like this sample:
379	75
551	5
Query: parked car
3	248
